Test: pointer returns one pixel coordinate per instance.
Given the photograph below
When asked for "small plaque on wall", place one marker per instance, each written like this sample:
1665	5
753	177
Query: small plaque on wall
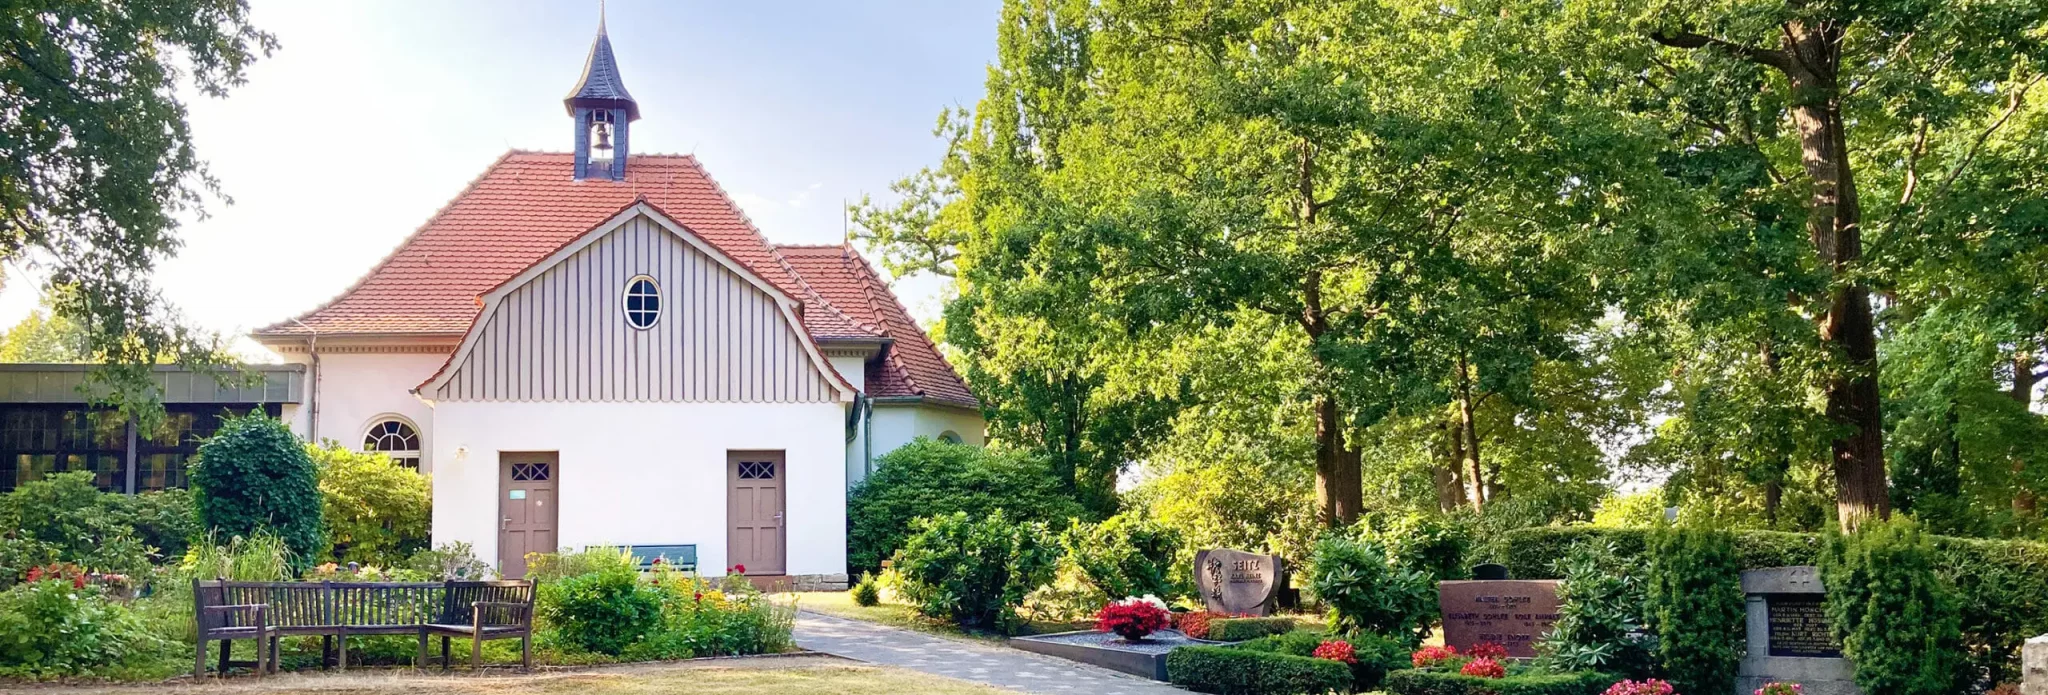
1799	626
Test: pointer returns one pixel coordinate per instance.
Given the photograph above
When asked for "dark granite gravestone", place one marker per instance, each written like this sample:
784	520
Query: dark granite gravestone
1237	582
1512	613
1789	639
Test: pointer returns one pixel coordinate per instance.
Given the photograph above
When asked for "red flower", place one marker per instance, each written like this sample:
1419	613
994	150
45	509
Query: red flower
1484	668
1196	623
1431	656
739	569
1336	650
1489	650
700	597
1132	620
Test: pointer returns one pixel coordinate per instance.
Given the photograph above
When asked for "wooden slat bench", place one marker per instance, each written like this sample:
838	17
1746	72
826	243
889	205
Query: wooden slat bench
266	611
682	557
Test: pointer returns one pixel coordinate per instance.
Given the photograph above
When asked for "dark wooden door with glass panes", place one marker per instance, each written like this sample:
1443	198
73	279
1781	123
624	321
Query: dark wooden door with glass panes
754	511
526	508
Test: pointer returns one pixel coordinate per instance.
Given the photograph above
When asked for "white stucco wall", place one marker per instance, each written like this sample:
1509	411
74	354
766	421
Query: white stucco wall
357	389
897	425
645	473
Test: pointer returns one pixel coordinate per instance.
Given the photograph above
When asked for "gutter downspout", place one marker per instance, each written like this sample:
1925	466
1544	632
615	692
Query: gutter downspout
867	441
313	398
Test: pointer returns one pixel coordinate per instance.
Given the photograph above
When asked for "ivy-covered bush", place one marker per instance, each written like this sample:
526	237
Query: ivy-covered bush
1365	592
603	612
975	572
1695	608
1234	671
1372	655
1896	618
1127	555
63	517
376	511
54	627
1423	682
1238	629
932	478
254	476
1599	616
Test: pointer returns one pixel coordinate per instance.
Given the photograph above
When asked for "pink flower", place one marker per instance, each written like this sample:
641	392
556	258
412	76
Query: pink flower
1336	650
1484	668
1647	687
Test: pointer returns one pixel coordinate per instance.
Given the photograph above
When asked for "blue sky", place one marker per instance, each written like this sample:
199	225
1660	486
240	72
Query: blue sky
374	113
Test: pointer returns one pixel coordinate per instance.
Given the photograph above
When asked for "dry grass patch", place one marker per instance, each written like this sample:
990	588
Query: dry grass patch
806	675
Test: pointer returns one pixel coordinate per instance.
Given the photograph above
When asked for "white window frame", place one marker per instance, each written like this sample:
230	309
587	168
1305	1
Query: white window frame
625	302
373	437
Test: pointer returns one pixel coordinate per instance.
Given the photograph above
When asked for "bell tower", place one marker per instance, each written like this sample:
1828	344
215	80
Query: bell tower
604	113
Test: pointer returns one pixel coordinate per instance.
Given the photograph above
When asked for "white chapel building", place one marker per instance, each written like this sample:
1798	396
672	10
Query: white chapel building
599	348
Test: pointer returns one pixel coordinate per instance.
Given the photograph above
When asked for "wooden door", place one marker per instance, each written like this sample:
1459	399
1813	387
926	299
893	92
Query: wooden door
754	511
526	508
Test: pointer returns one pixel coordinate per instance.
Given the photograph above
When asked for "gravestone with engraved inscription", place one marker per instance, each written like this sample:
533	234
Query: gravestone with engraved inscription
1512	613
1789	637
1237	582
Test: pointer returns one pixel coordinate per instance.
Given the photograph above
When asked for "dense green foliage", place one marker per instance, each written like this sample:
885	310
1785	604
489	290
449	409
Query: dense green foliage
604	611
375	510
254	477
1236	629
928	477
64	518
1694	606
1126	556
975	571
51	628
162	519
1600	606
866	591
2006	581
1366	592
1432	544
1233	671
1896	617
1419	682
1376	655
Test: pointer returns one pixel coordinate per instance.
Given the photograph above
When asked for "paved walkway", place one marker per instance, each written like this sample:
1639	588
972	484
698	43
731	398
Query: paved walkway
971	661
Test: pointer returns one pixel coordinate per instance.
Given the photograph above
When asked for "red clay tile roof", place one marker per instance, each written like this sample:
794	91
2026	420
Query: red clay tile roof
911	365
527	205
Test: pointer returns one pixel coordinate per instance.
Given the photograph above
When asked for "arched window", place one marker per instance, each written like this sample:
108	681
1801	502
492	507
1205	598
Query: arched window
950	437
395	438
643	302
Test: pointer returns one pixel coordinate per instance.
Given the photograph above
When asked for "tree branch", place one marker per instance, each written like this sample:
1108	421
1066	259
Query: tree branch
1760	56
2013	104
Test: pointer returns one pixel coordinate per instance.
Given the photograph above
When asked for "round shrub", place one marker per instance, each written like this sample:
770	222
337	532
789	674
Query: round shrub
602	612
1695	608
933	478
376	511
1367	593
1127	555
975	572
866	592
254	476
1132	619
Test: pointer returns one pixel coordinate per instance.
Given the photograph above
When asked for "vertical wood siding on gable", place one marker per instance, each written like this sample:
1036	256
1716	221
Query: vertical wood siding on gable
563	335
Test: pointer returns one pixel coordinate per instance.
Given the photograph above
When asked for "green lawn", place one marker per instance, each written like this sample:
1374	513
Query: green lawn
840	604
780	676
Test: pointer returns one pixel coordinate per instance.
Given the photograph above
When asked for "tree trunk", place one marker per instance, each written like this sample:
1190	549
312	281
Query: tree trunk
1781	466
1468	430
2024	503
1340	487
1834	223
1445	474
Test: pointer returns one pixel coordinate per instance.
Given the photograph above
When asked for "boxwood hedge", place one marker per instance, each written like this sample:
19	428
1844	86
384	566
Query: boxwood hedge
1235	671
2006	581
1238	629
1415	682
1376	655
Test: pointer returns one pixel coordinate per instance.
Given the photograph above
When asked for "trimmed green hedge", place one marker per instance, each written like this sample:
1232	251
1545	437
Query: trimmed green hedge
1239	629
2006	581
1376	654
1415	682
1234	671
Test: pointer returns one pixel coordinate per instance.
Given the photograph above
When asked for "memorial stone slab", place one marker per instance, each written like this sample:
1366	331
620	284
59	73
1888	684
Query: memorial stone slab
1512	613
1237	582
1789	636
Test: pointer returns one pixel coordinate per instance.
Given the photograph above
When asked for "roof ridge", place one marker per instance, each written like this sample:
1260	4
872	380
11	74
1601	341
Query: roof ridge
867	290
402	244
812	293
744	218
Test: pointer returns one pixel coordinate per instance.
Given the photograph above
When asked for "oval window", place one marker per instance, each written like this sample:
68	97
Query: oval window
643	302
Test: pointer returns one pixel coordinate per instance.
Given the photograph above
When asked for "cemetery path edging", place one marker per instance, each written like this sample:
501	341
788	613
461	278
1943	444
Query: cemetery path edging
988	664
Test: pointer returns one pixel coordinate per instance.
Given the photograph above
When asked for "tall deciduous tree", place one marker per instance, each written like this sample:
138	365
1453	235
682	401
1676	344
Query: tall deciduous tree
97	162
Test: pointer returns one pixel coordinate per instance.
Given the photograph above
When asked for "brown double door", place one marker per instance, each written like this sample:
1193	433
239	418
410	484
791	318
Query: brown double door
755	510
526	508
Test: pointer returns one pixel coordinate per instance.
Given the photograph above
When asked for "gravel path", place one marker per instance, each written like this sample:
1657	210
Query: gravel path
971	661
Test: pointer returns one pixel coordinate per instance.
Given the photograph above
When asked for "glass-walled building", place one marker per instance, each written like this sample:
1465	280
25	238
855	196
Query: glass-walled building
47	426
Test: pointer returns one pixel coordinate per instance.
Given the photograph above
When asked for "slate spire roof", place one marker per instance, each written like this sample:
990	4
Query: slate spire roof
601	86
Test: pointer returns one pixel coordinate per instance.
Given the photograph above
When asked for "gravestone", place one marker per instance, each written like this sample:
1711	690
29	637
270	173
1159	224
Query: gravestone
1512	613
1237	582
1789	637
